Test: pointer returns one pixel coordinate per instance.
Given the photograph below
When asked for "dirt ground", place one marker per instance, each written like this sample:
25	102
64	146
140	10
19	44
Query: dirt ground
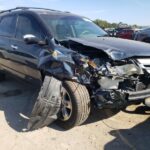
103	130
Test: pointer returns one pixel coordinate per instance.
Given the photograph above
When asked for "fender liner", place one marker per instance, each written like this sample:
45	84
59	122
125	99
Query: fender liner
47	105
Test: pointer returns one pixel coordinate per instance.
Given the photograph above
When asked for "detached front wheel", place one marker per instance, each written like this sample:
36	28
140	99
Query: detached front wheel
75	106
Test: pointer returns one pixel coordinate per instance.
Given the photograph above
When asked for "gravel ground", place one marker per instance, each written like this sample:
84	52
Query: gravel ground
103	130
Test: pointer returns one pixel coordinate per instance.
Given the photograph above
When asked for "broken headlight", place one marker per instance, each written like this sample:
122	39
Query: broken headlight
116	55
125	70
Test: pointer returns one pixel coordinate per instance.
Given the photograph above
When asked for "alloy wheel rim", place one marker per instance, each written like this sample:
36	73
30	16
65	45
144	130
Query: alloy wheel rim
66	108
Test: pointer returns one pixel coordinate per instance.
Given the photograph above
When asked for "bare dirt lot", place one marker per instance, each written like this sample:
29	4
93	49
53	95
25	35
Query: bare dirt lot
103	130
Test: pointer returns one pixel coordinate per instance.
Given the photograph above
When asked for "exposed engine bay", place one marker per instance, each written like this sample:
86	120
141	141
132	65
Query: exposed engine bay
112	83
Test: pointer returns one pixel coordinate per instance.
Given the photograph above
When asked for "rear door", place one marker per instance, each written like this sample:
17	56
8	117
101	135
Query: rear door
24	57
7	31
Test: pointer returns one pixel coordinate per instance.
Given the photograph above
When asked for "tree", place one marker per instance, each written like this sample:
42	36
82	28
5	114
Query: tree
104	24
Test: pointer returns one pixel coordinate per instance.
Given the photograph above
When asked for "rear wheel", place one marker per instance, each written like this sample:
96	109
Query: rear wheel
75	107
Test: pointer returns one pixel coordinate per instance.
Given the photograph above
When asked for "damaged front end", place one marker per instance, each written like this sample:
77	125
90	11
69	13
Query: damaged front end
65	64
117	84
112	83
120	84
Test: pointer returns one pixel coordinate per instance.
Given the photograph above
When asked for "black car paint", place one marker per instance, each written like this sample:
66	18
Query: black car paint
19	58
128	48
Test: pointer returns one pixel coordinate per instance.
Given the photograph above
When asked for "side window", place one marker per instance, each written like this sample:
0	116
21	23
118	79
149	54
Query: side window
28	25
8	26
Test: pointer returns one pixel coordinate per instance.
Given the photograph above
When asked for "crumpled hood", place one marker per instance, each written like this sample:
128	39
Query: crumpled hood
116	48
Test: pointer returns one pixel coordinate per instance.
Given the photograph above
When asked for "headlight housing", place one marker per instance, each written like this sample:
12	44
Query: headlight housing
116	54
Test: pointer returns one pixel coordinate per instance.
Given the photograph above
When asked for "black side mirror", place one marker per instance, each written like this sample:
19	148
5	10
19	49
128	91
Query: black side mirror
31	39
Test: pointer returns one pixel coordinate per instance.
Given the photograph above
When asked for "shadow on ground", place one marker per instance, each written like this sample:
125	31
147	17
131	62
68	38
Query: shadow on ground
136	138
17	100
97	115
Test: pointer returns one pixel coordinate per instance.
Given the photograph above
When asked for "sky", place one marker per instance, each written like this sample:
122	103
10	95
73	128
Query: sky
127	11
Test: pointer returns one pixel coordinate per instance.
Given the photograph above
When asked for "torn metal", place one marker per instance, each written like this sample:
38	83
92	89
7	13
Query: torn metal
111	77
111	83
65	64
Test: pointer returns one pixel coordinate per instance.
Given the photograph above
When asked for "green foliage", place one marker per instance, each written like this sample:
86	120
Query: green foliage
105	24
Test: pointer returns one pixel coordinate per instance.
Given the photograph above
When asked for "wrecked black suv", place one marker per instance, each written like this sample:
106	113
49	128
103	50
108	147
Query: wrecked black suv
75	63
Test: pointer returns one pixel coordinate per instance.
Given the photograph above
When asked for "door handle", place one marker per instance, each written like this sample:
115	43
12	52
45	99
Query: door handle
14	47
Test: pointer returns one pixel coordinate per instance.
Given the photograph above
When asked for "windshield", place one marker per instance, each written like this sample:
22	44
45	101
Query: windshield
64	27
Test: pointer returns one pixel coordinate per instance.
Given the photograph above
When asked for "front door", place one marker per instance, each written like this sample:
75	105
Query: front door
23	56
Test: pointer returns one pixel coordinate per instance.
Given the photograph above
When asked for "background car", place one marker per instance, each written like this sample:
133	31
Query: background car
125	33
143	35
111	31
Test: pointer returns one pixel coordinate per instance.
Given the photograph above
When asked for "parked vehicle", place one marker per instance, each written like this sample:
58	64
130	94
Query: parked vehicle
143	35
111	31
126	34
74	62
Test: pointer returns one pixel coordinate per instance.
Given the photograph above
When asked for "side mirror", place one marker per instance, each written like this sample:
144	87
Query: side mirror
31	39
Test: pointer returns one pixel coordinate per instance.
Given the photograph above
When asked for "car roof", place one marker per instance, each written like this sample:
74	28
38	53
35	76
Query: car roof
37	11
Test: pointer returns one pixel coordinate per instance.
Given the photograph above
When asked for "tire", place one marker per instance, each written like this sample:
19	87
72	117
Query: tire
80	99
2	76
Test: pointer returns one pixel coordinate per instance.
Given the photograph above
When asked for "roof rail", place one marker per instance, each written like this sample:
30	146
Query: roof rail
37	8
26	8
9	10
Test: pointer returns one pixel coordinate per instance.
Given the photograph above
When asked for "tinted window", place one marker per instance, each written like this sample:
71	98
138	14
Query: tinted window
64	27
7	26
28	25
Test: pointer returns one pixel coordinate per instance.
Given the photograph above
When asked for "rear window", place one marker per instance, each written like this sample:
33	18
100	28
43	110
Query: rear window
7	26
